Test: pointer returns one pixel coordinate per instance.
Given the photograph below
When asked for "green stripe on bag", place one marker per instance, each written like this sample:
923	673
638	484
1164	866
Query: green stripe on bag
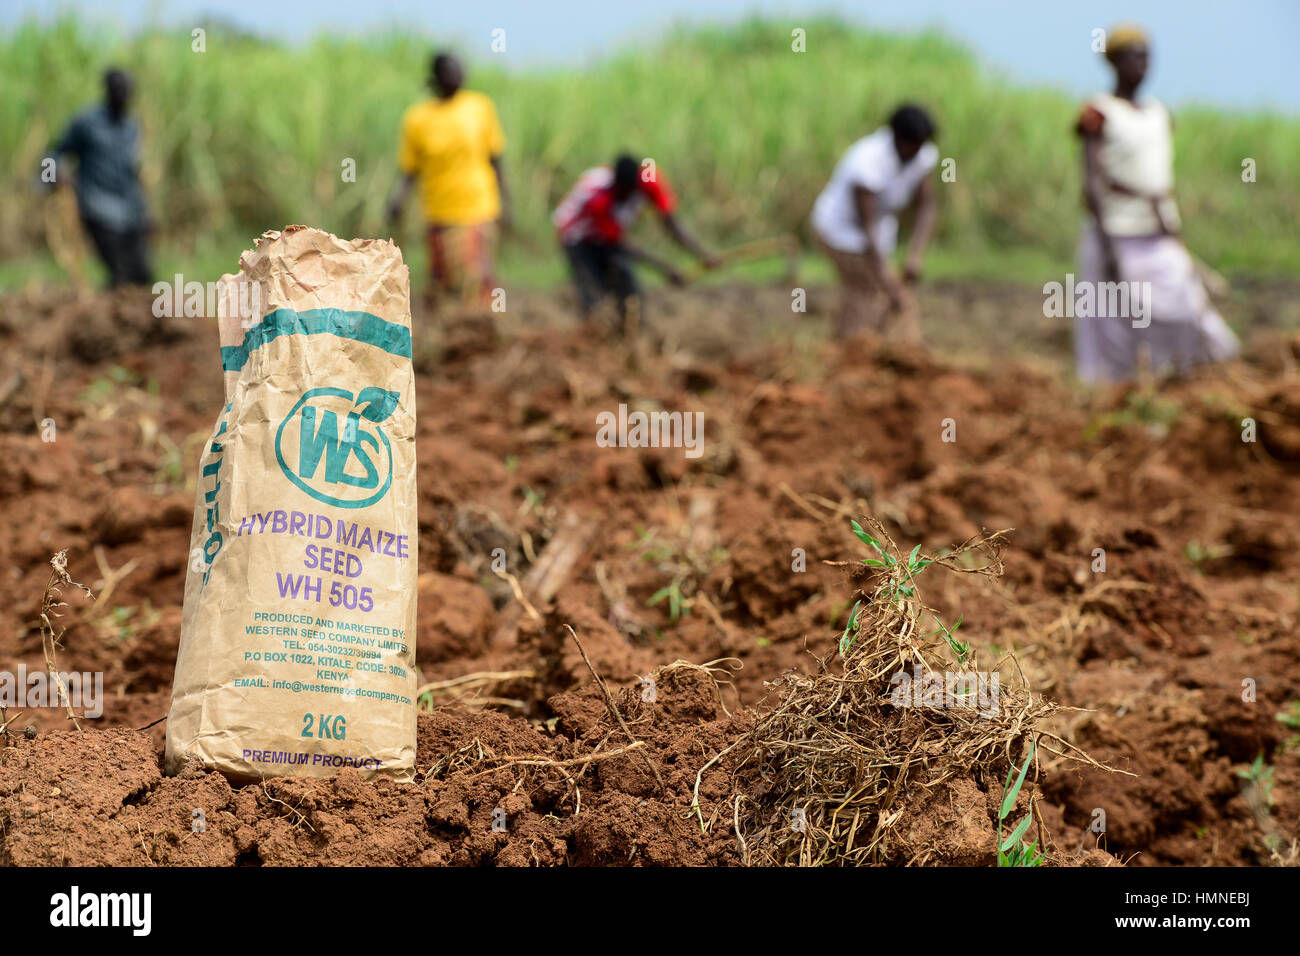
358	326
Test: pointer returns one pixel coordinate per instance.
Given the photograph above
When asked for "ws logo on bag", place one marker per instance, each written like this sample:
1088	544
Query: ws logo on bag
325	448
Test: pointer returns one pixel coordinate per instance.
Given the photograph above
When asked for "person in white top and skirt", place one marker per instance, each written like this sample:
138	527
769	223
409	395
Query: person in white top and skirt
1132	237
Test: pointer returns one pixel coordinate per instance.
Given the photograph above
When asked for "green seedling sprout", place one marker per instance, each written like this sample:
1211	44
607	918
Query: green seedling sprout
1261	776
960	648
1291	718
1011	852
851	628
677	607
914	566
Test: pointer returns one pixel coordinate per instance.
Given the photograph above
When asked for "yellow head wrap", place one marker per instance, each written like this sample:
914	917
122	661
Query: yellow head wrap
1123	36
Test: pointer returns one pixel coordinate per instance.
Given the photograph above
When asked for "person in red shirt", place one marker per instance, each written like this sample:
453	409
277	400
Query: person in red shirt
590	223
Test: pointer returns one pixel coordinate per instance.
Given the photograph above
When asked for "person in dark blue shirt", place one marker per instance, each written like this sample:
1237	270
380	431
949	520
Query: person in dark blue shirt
110	200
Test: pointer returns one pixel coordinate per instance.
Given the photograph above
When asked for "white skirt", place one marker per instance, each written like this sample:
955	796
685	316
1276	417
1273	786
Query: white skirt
1184	329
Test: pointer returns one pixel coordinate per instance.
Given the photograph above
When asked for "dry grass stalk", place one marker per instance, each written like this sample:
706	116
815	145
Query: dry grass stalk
609	704
52	638
840	761
5	721
468	690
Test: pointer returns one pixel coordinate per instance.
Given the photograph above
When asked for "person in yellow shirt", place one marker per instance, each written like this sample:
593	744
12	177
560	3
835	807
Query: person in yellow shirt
453	144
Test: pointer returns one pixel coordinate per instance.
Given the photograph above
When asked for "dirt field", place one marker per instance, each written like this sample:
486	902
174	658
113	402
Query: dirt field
1147	659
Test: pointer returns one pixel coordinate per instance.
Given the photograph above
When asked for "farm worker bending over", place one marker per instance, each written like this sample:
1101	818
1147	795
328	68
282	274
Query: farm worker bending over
590	222
453	143
110	200
856	219
1132	236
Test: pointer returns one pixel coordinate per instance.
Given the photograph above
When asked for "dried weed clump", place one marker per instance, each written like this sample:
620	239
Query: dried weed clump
830	775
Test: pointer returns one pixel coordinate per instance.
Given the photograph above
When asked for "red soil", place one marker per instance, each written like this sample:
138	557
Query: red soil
1199	593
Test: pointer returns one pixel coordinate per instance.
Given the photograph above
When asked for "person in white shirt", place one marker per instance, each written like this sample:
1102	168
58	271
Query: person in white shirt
1131	236
856	220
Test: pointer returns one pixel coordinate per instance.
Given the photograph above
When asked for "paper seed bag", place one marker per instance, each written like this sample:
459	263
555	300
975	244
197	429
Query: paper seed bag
297	641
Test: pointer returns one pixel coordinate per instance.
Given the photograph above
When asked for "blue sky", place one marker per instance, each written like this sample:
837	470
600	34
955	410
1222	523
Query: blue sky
1239	54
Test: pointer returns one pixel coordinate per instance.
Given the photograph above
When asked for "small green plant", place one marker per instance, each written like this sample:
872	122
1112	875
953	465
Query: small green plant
533	499
105	385
1011	851
683	561
1291	718
915	563
672	591
850	629
1199	554
960	648
657	547
120	623
1146	407
173	465
1261	776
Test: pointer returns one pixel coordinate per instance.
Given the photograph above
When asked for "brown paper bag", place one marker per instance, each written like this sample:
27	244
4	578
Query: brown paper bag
297	650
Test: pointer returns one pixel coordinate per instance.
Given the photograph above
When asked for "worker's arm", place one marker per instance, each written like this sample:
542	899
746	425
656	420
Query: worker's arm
397	198
663	265
865	200
1094	188
927	208
506	219
682	236
69	142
